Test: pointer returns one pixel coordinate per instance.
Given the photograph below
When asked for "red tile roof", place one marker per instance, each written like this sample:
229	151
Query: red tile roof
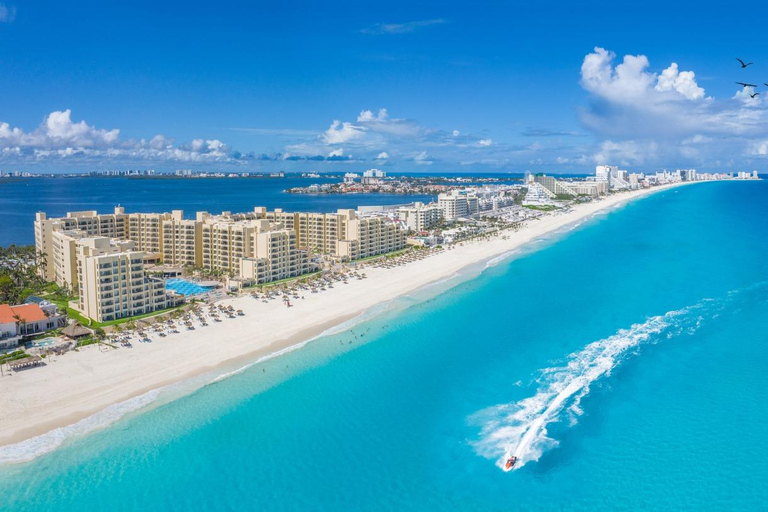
29	312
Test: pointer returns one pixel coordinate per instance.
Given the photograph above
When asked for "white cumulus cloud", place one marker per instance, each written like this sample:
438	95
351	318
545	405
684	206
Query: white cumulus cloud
7	14
665	118
59	137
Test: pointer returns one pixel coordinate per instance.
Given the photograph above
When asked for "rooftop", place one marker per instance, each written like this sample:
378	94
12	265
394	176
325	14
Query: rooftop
27	312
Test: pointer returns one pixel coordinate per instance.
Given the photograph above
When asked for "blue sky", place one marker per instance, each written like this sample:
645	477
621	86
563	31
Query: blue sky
300	86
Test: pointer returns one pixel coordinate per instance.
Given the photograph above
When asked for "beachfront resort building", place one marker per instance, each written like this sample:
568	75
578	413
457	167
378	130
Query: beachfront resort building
112	282
274	257
572	188
275	243
537	194
458	203
420	216
615	178
370	236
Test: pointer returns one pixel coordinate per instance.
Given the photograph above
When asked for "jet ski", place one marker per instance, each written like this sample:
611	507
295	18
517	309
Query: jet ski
510	463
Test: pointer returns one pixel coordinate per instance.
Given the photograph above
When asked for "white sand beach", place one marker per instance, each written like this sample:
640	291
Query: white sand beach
79	384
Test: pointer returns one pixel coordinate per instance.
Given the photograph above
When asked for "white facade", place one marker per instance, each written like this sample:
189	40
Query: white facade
458	203
420	217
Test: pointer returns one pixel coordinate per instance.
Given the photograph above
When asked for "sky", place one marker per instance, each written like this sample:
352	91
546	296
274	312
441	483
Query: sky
233	86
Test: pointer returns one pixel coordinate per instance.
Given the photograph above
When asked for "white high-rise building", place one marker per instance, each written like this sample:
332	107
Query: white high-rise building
420	216
616	178
458	203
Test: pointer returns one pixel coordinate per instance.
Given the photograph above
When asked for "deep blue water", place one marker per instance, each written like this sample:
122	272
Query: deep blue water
636	342
20	199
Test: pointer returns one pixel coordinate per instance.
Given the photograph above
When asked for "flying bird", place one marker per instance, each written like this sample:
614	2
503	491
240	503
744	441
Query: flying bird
753	95
746	85
742	63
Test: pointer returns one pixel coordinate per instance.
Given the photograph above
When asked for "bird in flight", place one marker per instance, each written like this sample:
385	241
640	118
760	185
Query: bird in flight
753	95
746	85
743	65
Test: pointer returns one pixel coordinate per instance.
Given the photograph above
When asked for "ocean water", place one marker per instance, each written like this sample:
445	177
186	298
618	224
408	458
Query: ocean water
625	362
20	199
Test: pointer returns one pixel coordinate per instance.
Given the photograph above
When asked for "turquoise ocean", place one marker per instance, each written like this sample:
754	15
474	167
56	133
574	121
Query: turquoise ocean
624	360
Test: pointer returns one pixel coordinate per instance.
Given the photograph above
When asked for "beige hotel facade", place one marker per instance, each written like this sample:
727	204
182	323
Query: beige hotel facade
258	246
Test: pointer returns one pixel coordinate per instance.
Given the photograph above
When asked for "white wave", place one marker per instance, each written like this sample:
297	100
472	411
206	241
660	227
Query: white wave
520	429
500	258
336	329
32	448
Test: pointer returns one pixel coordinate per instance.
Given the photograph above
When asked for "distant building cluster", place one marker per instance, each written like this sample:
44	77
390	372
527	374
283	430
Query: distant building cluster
618	179
543	190
105	257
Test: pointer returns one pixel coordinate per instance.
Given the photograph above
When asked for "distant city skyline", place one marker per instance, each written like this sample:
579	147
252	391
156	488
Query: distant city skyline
406	88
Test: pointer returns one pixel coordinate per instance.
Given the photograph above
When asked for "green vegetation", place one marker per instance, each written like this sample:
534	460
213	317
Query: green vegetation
542	208
385	255
84	342
18	273
303	278
13	356
563	197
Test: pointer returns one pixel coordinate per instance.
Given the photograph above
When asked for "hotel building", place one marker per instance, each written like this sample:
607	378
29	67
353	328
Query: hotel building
112	282
260	245
420	217
274	257
572	188
457	203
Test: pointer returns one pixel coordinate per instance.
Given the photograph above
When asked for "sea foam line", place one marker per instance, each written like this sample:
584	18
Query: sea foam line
32	448
331	331
520	429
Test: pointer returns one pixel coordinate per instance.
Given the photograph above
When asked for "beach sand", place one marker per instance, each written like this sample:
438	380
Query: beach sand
79	384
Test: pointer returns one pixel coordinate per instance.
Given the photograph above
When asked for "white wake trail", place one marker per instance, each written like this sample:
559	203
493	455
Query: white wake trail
520	429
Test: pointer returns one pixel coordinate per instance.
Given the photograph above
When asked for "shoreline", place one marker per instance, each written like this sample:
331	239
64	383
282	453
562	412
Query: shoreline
72	388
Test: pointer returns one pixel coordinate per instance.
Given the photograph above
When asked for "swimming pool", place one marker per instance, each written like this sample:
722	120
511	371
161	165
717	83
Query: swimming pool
185	287
45	342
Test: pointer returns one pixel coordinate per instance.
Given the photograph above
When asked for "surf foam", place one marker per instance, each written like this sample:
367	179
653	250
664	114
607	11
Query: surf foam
520	429
32	448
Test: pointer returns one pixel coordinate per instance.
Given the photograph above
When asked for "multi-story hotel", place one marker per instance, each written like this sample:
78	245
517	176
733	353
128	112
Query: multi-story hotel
572	188
261	246
112	283
369	236
274	257
91	223
420	217
457	203
180	241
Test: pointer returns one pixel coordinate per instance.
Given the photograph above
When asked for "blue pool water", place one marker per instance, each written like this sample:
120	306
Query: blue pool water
185	287
625	362
45	342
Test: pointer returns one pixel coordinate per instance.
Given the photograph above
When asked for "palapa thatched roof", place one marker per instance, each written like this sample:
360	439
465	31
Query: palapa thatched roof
75	330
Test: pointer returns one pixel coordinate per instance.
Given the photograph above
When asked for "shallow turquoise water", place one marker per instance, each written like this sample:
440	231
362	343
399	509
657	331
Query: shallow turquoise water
633	348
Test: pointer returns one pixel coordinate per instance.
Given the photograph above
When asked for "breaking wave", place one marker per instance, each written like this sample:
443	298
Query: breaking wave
32	448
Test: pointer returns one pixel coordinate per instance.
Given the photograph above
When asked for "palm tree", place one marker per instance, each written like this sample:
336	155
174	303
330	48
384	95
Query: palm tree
19	322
